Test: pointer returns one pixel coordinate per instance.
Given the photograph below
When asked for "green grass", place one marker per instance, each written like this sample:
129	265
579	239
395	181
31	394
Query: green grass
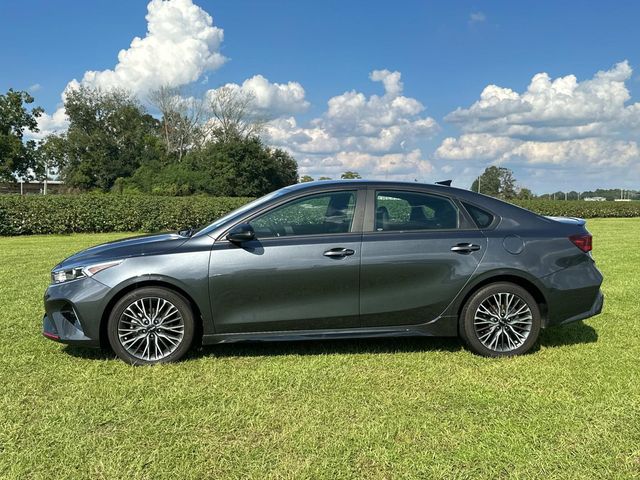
405	408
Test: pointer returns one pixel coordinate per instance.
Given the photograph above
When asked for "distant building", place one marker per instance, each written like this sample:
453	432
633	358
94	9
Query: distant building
621	199
595	199
32	187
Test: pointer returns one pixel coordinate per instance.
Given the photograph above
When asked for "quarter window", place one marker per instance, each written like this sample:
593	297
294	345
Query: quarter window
482	218
313	215
398	210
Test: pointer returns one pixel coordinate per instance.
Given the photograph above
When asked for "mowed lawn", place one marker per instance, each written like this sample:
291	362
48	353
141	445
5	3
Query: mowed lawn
405	408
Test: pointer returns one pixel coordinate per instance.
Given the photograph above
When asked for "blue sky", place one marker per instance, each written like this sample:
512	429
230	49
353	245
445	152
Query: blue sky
445	52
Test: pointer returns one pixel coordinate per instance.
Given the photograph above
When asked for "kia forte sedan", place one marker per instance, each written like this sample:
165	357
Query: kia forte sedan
334	259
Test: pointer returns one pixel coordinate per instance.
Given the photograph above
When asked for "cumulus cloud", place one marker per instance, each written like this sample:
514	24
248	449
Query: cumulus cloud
181	44
477	17
558	121
374	135
272	99
48	124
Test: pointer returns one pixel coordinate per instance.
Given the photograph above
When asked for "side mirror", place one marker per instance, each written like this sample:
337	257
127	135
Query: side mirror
241	233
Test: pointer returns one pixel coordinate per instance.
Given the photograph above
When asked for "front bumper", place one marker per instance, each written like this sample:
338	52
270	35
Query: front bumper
73	312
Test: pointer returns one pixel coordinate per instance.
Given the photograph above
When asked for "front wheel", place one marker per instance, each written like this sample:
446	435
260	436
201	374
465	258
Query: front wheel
500	319
151	325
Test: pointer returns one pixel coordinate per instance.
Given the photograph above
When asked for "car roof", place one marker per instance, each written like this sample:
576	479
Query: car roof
361	182
322	184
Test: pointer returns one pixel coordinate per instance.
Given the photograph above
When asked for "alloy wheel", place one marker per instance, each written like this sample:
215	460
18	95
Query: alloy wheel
151	328
503	322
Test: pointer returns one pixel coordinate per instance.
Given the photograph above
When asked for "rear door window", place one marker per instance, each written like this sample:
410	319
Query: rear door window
403	210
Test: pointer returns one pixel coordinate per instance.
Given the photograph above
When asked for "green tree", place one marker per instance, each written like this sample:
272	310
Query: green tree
50	157
17	157
324	178
240	166
525	194
349	175
109	136
305	178
496	182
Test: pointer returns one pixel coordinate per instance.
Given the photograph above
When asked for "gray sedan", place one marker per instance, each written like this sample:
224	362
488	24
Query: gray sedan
334	259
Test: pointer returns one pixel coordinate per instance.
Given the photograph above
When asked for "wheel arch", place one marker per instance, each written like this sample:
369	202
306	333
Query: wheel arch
150	282
529	284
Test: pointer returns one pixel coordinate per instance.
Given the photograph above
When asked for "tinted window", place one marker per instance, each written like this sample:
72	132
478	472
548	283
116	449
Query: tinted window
313	215
398	210
482	218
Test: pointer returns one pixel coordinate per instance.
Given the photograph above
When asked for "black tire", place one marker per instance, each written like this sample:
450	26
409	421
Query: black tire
469	329
174	352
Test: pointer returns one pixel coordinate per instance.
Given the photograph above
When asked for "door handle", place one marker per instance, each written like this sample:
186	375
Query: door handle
339	252
465	248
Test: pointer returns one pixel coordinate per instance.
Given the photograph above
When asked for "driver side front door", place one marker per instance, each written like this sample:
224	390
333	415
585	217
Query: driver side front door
301	272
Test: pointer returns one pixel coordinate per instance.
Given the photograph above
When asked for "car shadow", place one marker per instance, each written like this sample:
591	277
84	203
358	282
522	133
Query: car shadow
576	333
388	345
572	334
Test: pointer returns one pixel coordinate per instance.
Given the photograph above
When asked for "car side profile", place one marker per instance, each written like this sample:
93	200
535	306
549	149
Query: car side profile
332	259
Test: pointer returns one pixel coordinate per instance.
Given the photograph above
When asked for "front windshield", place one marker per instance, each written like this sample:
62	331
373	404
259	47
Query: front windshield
238	211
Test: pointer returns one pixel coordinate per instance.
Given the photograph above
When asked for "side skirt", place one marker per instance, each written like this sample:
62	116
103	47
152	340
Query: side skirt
442	327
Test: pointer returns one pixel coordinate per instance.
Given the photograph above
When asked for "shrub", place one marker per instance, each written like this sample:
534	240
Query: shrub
582	209
25	215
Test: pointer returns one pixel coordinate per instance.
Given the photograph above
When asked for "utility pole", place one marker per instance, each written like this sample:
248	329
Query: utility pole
480	176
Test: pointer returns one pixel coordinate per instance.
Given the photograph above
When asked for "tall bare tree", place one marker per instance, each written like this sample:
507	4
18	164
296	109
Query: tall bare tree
182	119
233	114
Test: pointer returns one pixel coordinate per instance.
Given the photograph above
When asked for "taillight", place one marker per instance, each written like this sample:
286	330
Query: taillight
582	241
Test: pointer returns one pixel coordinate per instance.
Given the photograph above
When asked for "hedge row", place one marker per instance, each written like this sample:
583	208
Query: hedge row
108	213
582	209
24	215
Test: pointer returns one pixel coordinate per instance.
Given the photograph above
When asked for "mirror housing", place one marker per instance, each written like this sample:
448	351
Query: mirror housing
241	233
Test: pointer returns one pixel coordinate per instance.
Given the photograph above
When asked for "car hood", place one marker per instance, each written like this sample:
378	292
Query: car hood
129	247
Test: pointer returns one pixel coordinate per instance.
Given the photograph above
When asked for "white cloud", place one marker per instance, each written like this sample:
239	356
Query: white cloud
273	99
477	17
34	88
180	45
374	135
554	122
48	124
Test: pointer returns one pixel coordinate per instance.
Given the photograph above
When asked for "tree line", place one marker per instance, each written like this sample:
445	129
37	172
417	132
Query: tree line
199	145
500	182
208	145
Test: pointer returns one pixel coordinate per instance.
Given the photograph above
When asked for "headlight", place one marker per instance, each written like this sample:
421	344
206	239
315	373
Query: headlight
66	275
60	276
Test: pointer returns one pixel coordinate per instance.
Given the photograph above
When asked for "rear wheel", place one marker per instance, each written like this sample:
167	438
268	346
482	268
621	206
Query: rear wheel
500	319
151	325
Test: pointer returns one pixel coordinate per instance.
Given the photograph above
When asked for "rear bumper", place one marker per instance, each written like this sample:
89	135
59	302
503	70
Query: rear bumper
595	310
573	294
